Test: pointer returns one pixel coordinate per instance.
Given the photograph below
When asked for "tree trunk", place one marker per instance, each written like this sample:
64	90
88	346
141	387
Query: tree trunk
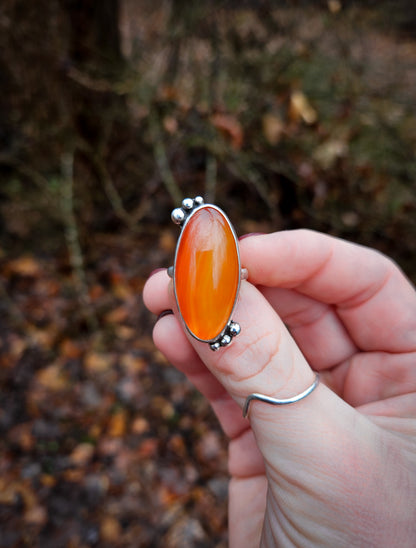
95	64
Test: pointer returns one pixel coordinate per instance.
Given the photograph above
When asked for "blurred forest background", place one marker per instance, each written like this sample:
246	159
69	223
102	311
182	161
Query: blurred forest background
286	114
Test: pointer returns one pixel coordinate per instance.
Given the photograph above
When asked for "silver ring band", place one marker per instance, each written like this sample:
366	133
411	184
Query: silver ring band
275	401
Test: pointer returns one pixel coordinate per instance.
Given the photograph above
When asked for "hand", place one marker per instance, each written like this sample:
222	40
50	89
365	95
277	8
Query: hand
339	467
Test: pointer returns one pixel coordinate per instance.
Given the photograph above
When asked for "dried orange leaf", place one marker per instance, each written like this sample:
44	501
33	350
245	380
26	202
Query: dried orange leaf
273	128
96	362
117	425
82	454
301	109
25	266
53	378
230	127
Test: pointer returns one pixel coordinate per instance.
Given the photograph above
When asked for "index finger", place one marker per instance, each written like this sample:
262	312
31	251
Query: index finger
372	297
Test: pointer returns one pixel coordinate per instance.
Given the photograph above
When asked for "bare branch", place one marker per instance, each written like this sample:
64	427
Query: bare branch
72	239
162	161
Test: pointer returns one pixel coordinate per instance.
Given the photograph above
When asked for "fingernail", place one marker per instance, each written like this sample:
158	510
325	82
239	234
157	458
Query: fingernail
251	234
155	271
164	313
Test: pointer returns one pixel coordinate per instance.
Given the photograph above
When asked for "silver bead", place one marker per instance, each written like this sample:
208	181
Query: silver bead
234	329
178	216
215	346
225	340
170	271
198	200
188	203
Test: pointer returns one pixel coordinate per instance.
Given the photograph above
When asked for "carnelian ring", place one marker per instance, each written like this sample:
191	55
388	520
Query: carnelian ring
206	272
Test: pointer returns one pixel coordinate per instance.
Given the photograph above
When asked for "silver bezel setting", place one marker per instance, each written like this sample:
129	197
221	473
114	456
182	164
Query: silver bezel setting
181	217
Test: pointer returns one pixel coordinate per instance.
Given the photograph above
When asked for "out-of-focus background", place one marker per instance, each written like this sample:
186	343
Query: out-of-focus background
286	114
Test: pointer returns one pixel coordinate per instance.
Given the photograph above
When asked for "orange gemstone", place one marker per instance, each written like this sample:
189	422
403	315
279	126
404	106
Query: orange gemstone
207	273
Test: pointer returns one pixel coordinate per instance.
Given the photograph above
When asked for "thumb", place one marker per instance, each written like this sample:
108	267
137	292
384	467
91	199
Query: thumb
317	438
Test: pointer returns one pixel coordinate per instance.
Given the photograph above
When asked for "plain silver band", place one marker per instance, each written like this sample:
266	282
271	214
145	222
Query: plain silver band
275	401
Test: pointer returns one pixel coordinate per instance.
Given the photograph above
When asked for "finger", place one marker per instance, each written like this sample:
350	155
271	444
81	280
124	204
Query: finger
250	362
362	378
374	300
314	325
376	376
244	457
157	298
156	294
398	407
313	446
264	358
403	427
181	354
247	507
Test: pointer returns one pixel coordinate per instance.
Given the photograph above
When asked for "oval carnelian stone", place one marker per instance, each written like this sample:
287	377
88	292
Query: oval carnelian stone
206	273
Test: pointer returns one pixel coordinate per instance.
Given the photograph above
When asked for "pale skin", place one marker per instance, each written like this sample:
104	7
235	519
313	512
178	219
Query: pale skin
339	467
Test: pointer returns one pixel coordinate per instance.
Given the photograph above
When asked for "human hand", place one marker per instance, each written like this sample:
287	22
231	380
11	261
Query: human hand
339	467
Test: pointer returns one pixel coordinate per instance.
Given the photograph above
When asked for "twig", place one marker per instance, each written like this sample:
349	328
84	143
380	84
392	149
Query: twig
101	85
111	191
244	169
210	178
113	194
72	239
162	161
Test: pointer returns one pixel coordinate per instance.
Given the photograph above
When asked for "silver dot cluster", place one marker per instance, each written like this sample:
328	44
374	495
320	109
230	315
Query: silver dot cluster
232	330
180	214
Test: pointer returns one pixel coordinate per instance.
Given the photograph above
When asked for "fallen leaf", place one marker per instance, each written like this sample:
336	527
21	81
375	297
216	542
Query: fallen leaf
82	454
163	406
21	435
124	332
74	476
209	446
17	346
53	378
329	152
168	92
95	292
148	448
110	529
43	337
301	109
117	424
95	431
108	447
177	445
350	219
118	315
47	480
122	291
167	241
10	491
170	124
273	128
132	364
334	6
230	127
98	362
186	533
37	515
140	425
25	266
167	496
70	349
